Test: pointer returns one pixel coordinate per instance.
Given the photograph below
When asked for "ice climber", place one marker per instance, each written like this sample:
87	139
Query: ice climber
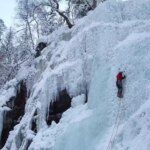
120	77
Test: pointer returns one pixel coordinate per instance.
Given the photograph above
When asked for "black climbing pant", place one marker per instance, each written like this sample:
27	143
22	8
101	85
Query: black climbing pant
119	86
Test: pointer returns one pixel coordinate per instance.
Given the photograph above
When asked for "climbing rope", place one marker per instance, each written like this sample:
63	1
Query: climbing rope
115	129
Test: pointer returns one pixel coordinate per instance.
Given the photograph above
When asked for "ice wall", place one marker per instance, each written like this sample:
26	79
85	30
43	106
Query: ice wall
122	43
113	36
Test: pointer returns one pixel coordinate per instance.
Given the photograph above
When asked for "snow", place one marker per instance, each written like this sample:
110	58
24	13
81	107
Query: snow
87	57
134	134
76	101
69	118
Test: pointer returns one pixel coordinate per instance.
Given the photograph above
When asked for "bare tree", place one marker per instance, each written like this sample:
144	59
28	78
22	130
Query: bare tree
2	27
54	6
12	54
24	13
62	14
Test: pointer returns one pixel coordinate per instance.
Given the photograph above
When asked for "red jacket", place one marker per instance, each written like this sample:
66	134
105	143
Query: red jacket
119	76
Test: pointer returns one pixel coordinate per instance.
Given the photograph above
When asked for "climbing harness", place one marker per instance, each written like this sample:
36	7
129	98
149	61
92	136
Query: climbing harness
116	126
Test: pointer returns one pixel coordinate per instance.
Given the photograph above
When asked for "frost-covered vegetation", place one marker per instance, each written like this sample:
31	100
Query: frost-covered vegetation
81	64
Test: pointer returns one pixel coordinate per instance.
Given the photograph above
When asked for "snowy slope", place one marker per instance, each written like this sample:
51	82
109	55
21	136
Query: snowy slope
115	35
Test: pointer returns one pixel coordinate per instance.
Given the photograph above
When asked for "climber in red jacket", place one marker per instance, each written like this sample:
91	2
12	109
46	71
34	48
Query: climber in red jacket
120	77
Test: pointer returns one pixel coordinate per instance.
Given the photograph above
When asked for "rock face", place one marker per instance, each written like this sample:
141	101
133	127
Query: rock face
39	48
14	115
61	104
34	125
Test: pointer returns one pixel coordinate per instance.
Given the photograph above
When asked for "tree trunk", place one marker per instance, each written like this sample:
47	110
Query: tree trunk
70	25
94	5
30	32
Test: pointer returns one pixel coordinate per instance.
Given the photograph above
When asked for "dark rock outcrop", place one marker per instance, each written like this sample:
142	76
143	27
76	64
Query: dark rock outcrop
33	124
14	115
39	48
60	105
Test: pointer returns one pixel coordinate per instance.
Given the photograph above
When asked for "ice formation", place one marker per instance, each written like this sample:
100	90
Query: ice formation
85	60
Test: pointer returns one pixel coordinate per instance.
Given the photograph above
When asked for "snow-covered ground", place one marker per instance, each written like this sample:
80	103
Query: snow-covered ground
115	35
